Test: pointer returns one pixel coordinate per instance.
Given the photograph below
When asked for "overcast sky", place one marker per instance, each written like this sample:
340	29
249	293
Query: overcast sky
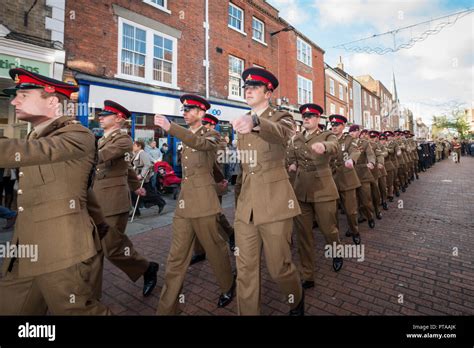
431	76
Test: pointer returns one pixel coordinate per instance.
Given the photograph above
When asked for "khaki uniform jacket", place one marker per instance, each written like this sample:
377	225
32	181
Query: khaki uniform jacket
198	196
55	167
111	186
266	190
346	178
366	155
314	181
388	164
379	159
394	153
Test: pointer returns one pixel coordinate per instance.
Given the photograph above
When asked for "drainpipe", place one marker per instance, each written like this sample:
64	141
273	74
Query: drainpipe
206	33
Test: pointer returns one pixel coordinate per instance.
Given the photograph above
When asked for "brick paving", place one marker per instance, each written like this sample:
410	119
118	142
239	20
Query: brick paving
411	254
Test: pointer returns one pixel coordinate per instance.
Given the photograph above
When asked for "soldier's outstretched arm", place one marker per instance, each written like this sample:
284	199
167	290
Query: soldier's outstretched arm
121	147
354	152
276	132
207	143
370	153
331	144
63	147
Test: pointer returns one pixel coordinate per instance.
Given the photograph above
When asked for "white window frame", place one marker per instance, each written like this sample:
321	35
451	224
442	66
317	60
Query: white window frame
332	87
263	31
300	44
375	104
370	100
351	114
341	92
342	111
148	79
159	7
333	109
242	31
365	98
231	96
301	81
142	123
350	93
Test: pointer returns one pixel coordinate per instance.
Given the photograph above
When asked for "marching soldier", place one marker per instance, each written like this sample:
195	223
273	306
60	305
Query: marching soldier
225	228
345	175
197	208
56	166
389	153
383	171
364	165
315	189
267	202
113	194
402	161
377	172
395	155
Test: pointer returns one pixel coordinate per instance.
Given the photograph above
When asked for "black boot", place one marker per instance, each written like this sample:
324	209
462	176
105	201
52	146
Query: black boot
378	215
226	298
404	189
348	233
307	284
361	219
390	199
397	193
356	238
337	263
372	223
298	311
150	278
417	177
385	206
197	258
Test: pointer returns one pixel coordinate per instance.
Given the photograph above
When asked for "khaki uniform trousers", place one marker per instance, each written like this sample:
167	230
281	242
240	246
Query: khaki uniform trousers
383	187
390	182
274	238
349	203
119	250
69	291
375	194
364	196
185	232
325	215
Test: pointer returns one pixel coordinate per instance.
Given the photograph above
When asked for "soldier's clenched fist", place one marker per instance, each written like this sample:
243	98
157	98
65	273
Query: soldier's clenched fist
162	122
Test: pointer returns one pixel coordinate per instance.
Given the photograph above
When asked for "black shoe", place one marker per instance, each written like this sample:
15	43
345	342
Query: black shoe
226	298
337	263
417	177
384	205
356	239
197	258
378	216
160	208
397	193
390	199
361	219
232	242
150	278
315	224
307	284
404	189
371	223
348	233
298	311
409	181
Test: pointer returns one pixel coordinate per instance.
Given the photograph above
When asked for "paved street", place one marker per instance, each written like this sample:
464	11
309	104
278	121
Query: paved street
420	254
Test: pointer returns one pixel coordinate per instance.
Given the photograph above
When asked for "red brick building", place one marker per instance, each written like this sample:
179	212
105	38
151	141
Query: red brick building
337	92
145	54
370	109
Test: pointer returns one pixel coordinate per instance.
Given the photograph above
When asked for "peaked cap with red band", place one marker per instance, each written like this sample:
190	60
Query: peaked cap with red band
211	119
383	136
192	100
113	108
337	119
374	134
314	109
25	80
259	77
389	133
354	128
